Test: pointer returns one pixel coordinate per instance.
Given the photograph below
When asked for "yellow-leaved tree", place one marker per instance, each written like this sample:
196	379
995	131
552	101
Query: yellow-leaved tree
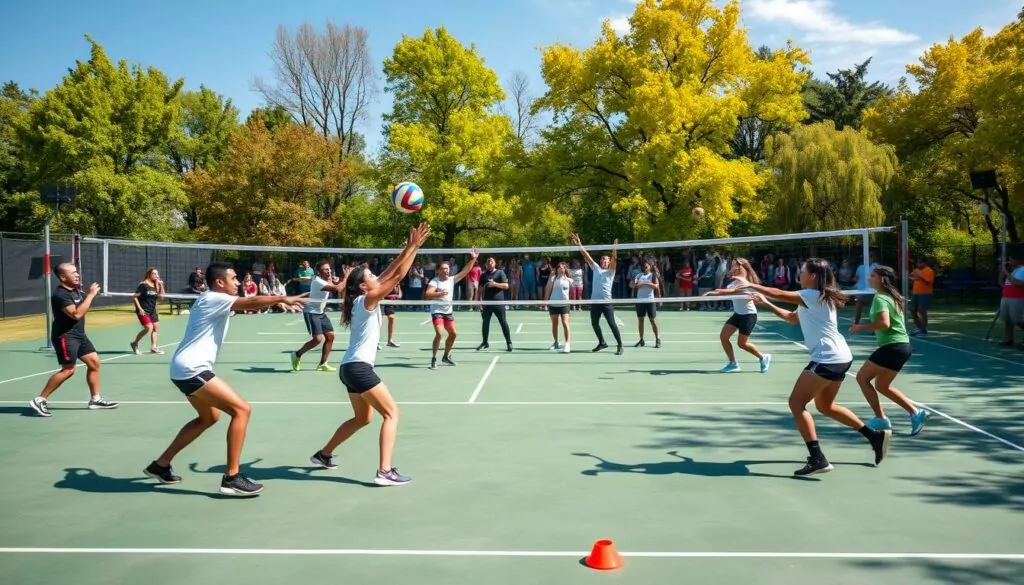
444	133
643	122
964	116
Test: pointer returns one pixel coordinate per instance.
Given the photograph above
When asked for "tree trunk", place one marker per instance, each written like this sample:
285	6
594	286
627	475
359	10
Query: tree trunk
450	231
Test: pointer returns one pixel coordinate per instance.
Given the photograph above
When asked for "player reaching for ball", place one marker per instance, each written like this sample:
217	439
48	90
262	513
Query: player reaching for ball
894	350
442	314
743	319
816	303
361	313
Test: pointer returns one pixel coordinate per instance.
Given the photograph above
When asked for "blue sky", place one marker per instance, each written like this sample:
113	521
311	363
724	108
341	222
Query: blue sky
223	44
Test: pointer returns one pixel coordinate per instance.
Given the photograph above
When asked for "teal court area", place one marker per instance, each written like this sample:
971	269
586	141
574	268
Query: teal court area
520	462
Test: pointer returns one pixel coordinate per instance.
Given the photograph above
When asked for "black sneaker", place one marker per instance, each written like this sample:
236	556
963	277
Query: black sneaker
447	360
657	343
239	485
600	346
433	363
618	350
163	474
639	343
814	467
322	460
509	348
483	346
38	404
880	444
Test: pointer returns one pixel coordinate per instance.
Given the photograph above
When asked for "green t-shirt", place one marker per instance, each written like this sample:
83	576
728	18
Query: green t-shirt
897	331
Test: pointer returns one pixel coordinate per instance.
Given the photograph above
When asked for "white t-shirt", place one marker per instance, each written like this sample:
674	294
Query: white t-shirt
364	333
560	289
820	327
317	297
443	306
644	294
207	327
577	276
601	289
742	307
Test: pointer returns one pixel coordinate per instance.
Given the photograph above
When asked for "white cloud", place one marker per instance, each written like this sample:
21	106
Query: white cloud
620	24
822	24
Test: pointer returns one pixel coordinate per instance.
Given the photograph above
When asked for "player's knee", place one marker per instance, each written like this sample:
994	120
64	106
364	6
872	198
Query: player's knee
318	339
242	409
67	371
796	405
863	377
824	406
364	419
208	419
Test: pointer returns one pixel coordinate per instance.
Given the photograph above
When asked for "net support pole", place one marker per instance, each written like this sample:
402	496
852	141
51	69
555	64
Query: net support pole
106	264
1002	237
866	250
47	283
905	258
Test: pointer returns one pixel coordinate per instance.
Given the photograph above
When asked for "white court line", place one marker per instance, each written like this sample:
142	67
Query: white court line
425	321
519	553
480	385
968	426
520	328
79	365
424	342
433	403
295	322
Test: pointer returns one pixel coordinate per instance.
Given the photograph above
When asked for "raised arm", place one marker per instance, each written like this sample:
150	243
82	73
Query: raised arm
786	296
390	278
790	317
258	302
587	259
473	255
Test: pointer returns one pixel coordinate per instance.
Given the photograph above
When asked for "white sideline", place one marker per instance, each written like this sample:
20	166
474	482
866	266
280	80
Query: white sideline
519	553
80	364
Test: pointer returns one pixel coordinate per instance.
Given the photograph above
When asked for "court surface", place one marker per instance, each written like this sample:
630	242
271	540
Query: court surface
520	462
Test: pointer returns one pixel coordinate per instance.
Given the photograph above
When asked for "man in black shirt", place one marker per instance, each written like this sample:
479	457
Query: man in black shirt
70	342
494	283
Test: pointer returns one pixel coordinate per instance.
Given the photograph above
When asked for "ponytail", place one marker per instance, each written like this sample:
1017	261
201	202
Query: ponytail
887	279
352	291
825	282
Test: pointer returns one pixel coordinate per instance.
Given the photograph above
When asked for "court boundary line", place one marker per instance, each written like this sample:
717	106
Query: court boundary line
447	403
947	556
953	419
483	380
80	364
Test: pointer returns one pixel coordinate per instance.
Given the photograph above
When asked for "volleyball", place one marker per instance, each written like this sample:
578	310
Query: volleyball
407	197
698	212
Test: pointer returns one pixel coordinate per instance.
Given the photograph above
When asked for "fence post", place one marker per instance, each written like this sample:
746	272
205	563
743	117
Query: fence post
46	280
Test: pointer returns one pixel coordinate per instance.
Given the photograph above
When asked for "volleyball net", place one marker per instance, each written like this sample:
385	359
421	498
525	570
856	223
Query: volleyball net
684	269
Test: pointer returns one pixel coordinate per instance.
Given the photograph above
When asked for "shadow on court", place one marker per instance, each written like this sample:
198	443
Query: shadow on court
89	481
683	465
762	428
949	572
285	472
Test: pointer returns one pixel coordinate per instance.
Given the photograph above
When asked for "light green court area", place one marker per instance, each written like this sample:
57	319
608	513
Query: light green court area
520	462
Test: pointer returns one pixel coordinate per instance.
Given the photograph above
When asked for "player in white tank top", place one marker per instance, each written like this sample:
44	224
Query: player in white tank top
646	284
361	313
831	358
743	319
557	293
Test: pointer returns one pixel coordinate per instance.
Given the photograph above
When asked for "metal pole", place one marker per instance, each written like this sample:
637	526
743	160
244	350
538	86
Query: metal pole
904	254
1002	236
866	250
47	270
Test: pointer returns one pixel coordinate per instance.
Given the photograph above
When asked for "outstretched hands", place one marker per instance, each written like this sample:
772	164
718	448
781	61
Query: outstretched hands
419	234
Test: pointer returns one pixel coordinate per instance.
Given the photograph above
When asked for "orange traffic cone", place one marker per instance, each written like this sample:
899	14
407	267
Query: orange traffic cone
603	556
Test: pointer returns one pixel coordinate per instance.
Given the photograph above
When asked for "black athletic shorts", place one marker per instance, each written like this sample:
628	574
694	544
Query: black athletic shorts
71	348
743	323
831	372
648	310
558	310
358	377
893	356
188	387
317	323
388	309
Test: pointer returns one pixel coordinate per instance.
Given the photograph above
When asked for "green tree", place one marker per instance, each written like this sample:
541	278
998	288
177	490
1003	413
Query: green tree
105	130
844	97
644	123
207	121
827	179
20	210
264	190
444	134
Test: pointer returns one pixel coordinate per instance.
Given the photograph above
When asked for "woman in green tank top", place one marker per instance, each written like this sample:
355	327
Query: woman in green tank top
894	350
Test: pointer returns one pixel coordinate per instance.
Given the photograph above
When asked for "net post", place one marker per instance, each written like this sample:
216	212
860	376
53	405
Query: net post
866	250
47	270
106	264
905	258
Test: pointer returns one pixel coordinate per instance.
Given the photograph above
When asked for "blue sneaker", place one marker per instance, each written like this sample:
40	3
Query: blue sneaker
880	424
766	362
730	367
917	421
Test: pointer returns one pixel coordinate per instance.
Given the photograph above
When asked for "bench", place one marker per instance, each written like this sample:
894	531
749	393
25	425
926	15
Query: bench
179	304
